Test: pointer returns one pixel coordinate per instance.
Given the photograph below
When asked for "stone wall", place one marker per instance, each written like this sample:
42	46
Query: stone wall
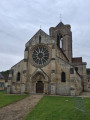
63	88
76	83
16	86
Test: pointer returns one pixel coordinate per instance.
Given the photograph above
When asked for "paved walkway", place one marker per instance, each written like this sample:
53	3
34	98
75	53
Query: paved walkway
18	110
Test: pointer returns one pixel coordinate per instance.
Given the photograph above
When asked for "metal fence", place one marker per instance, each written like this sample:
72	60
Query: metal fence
79	104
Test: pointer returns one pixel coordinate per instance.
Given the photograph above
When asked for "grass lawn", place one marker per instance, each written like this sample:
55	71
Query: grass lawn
58	108
7	99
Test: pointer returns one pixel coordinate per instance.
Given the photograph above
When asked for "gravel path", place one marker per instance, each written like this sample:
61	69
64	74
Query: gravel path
18	110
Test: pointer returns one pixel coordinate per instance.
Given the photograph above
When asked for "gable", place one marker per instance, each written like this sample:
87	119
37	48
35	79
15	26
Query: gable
45	38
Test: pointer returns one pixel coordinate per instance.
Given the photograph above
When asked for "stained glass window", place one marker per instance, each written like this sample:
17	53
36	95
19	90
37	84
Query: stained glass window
40	55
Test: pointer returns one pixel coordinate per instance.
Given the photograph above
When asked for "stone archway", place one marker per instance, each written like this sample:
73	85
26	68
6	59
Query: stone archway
38	81
39	87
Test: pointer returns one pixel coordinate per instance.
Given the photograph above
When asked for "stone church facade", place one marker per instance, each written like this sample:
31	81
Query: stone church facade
49	66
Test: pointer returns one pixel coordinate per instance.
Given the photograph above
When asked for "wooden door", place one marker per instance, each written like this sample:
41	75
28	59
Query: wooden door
39	87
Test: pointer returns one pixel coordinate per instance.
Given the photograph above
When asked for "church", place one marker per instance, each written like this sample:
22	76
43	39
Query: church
48	66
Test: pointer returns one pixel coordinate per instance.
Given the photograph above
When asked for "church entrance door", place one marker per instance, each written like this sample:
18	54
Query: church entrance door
39	87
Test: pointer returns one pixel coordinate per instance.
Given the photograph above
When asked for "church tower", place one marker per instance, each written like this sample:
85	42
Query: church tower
63	36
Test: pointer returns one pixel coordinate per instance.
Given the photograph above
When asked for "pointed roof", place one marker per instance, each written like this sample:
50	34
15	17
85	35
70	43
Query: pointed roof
42	33
60	24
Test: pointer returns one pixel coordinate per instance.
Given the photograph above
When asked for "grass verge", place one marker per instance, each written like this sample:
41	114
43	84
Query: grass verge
58	108
8	99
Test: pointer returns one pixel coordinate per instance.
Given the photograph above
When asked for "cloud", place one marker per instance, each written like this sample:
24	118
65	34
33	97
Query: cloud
8	60
21	19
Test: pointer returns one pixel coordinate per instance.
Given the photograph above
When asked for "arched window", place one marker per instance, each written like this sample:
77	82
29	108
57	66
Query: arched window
63	77
71	70
18	76
39	38
60	41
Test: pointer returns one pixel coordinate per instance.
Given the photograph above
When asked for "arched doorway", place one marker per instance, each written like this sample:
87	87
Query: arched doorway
39	87
38	82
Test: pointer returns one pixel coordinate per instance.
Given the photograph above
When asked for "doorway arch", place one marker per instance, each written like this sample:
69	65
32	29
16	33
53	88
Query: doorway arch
39	87
39	82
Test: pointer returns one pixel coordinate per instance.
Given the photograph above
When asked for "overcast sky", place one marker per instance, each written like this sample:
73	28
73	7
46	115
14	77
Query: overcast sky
21	19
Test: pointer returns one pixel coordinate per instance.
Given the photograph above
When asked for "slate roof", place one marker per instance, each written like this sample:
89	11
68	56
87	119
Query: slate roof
1	76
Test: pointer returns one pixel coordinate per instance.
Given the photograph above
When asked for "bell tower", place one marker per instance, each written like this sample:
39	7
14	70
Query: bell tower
63	36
